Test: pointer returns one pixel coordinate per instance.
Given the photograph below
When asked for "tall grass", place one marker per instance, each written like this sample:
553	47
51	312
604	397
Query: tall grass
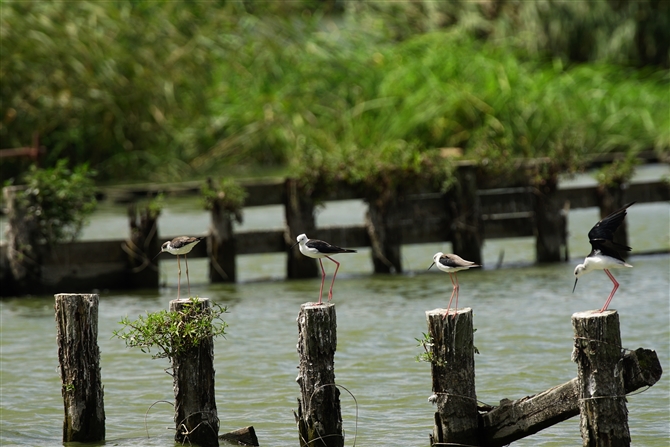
153	91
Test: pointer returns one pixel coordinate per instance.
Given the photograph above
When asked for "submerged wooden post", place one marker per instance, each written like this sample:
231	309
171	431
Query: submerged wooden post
467	226
79	359
221	245
195	414
319	417
381	223
142	246
453	370
602	395
550	223
299	211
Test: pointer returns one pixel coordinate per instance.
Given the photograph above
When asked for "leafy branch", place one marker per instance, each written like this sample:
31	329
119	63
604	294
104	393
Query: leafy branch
173	333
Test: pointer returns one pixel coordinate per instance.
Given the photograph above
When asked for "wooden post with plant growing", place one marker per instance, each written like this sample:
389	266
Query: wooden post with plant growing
79	359
143	244
299	209
452	364
319	418
225	202
185	335
600	379
195	414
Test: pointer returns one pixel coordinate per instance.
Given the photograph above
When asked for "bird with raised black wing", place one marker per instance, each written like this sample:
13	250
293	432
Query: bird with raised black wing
181	245
605	252
317	249
452	264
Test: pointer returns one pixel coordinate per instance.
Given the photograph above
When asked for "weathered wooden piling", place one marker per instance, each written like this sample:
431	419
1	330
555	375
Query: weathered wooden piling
79	359
463	207
221	245
142	246
24	255
195	417
453	371
602	396
299	212
319	417
382	226
551	223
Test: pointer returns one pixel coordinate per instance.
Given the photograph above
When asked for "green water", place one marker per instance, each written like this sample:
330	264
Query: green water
524	334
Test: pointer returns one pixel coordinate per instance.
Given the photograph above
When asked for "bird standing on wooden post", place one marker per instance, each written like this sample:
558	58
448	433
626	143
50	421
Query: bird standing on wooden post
314	248
181	246
451	263
605	252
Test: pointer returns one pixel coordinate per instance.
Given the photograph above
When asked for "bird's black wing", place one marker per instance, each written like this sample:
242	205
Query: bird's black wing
325	247
602	234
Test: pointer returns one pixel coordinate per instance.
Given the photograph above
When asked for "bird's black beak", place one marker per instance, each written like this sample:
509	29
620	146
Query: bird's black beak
293	246
575	286
157	255
431	266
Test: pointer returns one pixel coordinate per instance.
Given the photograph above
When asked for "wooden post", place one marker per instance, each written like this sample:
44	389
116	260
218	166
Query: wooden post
319	417
299	209
550	223
453	371
513	420
381	223
221	244
195	405
602	396
79	359
142	247
24	255
463	208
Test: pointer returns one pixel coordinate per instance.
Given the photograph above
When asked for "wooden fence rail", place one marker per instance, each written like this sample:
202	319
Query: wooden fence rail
417	218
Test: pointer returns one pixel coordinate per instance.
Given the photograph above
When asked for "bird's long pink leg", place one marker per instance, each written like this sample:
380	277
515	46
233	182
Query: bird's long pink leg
458	289
452	296
609	298
188	281
323	278
178	277
330	292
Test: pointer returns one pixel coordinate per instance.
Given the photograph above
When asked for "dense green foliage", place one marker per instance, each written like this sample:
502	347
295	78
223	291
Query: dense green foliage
171	91
173	333
57	201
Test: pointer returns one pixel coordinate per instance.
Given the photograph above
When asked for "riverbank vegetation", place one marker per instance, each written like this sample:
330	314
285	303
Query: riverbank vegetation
373	93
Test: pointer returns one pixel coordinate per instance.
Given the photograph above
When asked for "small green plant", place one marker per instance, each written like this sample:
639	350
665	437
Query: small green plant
173	333
58	201
426	342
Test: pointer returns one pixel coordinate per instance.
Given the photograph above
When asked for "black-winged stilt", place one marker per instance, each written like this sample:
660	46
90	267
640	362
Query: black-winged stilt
314	248
181	245
451	264
605	252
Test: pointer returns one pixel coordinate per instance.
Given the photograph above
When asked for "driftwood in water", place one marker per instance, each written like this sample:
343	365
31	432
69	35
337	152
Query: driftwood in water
513	420
453	371
243	436
79	359
602	397
319	417
299	212
195	416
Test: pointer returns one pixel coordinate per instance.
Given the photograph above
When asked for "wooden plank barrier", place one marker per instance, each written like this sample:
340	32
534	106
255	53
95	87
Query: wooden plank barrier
417	218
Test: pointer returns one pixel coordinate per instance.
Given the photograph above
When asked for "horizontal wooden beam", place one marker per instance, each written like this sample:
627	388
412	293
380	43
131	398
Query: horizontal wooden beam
513	420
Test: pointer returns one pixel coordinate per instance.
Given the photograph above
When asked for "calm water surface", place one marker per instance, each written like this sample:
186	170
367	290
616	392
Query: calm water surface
522	315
